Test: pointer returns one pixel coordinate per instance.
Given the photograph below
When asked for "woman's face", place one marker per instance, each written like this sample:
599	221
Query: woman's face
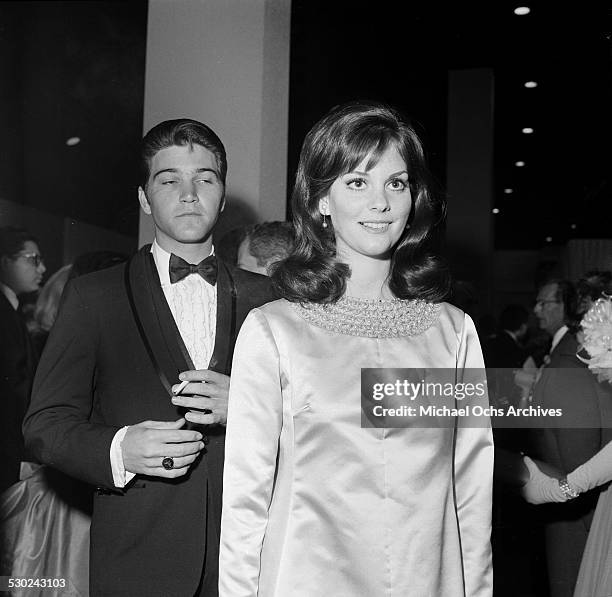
369	209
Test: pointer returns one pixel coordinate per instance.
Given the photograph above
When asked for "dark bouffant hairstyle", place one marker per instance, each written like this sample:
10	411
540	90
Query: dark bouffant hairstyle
13	239
337	144
182	131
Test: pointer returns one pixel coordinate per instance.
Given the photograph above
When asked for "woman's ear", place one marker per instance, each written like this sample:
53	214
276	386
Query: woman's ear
324	206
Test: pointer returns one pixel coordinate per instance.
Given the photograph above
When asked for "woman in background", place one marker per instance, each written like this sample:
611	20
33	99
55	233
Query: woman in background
313	503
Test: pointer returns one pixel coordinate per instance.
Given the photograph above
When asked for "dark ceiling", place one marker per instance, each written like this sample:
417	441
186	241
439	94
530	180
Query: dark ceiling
400	52
77	69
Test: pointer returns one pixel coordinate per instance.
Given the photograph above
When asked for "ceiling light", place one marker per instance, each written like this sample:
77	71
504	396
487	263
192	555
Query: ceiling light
72	141
549	239
527	130
530	84
495	210
573	226
522	10
519	164
508	191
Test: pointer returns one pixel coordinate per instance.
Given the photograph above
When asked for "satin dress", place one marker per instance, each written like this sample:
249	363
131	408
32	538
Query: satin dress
315	505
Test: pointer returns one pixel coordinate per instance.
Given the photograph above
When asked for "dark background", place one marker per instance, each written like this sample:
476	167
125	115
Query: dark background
77	69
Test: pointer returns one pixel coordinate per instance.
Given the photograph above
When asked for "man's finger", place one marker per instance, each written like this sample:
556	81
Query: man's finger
162	424
198	402
202	419
205	375
174	450
170	436
179	461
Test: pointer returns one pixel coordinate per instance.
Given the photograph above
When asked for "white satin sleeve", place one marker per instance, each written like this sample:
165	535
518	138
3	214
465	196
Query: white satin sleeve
253	429
474	479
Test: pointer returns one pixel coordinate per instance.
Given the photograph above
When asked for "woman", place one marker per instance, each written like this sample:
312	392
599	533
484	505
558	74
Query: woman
313	503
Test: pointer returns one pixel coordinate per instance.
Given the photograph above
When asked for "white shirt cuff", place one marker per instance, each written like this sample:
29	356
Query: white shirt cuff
121	477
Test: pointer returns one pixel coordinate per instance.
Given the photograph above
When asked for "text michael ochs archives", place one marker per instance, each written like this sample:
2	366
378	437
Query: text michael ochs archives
429	398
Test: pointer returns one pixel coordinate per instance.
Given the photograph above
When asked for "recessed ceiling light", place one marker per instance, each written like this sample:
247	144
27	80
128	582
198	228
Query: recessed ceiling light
495	210
527	130
519	164
573	226
72	141
508	191
530	84
549	239
522	10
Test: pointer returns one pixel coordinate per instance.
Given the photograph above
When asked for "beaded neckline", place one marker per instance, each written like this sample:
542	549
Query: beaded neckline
371	318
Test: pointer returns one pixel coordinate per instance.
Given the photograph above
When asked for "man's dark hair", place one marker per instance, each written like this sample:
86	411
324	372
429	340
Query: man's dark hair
566	294
13	239
181	132
270	242
513	317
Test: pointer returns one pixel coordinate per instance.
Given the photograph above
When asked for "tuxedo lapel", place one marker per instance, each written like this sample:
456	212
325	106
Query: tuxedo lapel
225	334
156	324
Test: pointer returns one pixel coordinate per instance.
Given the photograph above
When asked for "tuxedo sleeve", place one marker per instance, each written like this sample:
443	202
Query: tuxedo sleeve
58	428
473	474
251	446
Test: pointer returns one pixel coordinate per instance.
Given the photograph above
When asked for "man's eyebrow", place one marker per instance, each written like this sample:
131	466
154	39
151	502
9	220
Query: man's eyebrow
176	170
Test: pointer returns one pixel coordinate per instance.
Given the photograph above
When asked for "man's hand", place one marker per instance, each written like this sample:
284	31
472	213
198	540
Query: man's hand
146	444
205	396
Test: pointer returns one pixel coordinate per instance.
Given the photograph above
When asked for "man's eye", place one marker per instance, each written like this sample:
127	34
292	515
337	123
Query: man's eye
205	180
169	182
356	183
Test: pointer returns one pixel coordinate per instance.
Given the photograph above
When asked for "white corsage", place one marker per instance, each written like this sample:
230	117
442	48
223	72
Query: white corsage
597	329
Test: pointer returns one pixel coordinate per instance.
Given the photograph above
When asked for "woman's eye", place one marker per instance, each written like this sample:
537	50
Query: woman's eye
397	184
356	183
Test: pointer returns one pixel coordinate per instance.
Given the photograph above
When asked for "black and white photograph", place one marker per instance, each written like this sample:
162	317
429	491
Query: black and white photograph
305	298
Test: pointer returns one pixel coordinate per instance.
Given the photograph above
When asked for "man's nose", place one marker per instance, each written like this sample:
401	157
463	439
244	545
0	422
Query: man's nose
189	192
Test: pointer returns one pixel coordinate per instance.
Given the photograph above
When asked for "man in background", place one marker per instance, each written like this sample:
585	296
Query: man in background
21	272
265	244
566	383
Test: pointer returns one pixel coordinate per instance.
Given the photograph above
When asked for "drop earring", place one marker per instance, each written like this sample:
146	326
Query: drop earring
324	221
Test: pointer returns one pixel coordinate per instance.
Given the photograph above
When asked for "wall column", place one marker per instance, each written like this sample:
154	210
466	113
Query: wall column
226	63
470	177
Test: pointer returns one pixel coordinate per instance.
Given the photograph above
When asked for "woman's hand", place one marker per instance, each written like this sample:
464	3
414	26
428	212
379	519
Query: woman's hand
540	489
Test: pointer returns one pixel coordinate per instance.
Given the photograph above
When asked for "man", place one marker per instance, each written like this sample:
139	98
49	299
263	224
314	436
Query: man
265	244
103	406
566	383
21	271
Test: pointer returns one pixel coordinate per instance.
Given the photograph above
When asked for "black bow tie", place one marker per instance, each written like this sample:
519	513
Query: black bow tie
180	269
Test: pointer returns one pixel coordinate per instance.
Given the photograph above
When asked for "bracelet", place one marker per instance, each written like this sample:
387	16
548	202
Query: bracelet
567	490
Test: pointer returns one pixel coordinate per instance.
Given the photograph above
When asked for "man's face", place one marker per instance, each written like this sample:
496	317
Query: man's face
548	309
23	272
184	195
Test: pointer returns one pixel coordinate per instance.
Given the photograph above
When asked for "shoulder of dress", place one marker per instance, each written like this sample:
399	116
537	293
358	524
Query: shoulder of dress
450	314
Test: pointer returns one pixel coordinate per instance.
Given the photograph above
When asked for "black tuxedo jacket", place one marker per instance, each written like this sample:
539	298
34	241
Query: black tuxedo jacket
568	384
156	537
17	366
